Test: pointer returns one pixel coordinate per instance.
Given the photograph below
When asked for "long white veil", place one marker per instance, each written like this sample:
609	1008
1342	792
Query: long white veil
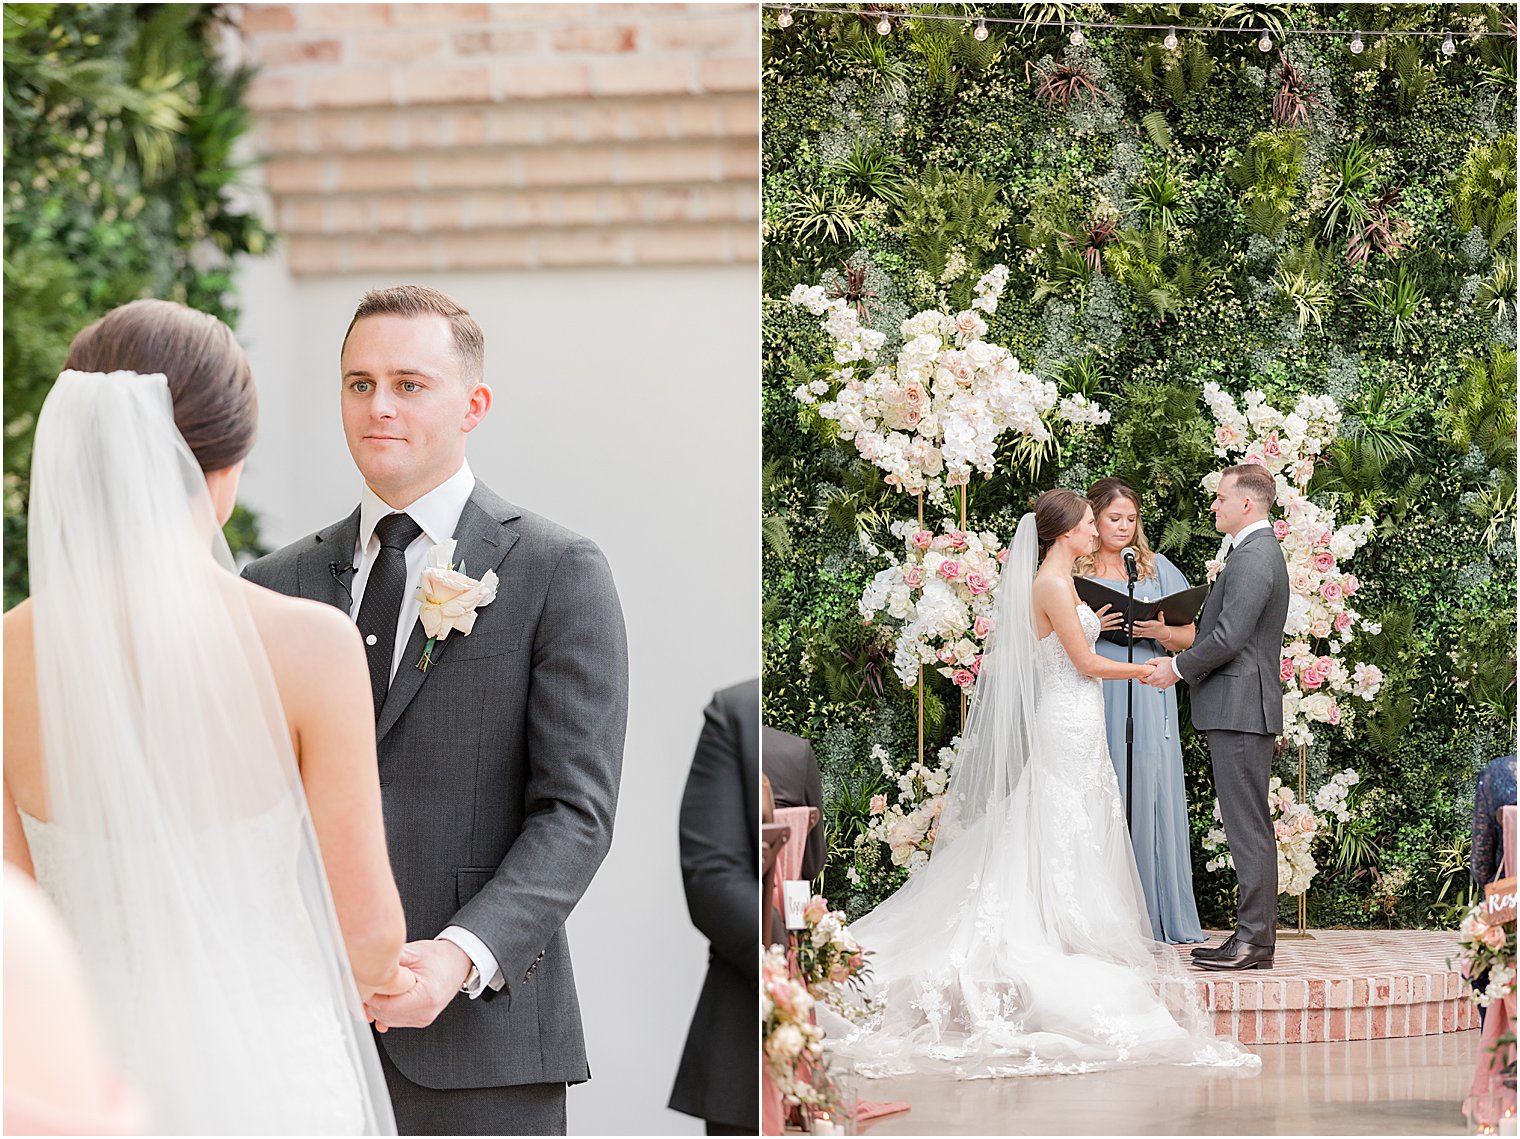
178	843
1023	947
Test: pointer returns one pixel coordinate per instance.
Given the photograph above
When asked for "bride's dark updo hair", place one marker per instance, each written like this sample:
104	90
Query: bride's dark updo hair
1057	512
210	380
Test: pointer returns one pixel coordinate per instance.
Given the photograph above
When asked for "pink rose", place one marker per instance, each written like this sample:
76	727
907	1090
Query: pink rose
1493	936
817	909
975	666
1334	714
1330	591
963	678
981	627
1271	446
956	539
1312	678
947	655
878	804
1286	671
1306	823
1342	622
1325	664
1003	557
922	539
968	323
1324	561
1280	829
1324	537
1320	629
1350	584
950	570
913	577
1280	529
978	583
1256	460
914	394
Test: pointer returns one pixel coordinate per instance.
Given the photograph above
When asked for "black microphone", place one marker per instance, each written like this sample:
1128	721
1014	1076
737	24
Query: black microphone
338	572
1131	565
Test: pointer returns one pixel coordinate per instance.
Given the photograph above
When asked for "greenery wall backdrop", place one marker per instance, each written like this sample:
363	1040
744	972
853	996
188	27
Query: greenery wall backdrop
121	128
1304	219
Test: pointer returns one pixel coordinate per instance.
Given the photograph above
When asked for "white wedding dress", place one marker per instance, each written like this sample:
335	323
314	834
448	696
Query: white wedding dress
1022	947
178	844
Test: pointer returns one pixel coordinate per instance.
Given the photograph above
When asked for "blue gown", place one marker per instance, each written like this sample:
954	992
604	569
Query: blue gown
1161	837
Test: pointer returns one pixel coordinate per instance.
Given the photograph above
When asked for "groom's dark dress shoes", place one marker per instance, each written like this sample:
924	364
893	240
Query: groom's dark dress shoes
1242	955
1225	948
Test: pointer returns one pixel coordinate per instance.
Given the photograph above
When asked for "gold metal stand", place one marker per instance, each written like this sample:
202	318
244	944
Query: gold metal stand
1302	932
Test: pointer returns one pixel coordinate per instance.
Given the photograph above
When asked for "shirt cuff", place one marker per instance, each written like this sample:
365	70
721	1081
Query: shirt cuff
1177	672
482	958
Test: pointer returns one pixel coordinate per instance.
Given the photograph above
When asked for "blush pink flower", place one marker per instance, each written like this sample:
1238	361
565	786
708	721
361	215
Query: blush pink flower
975	666
950	569
1312	678
1333	716
817	909
981	626
978	583
1271	447
947	655
1342	622
913	577
1330	591
1280	529
878	804
1286	671
956	539
1324	561
963	678
922	539
1350	584
1306	823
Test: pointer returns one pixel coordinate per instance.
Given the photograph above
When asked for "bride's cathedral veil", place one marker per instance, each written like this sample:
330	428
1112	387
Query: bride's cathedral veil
186	862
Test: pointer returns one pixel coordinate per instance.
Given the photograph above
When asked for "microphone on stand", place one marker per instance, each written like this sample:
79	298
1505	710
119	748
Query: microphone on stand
1132	571
1131	562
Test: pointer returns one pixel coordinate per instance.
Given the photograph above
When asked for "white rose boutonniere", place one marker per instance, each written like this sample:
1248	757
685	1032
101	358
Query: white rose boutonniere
449	598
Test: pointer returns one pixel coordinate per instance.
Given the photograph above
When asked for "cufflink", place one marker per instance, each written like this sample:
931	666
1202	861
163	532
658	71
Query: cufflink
471	978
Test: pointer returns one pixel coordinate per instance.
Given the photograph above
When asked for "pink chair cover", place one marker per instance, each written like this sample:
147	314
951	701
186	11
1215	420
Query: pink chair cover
1499	1019
1507	821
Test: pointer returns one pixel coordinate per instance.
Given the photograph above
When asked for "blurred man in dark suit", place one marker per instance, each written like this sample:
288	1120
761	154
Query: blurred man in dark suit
792	768
720	859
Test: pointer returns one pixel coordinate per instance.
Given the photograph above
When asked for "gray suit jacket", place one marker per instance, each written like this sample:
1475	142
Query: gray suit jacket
1232	667
789	763
499	772
720	866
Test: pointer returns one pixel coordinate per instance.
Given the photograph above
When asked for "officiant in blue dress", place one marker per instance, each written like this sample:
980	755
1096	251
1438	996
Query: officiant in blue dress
1160	836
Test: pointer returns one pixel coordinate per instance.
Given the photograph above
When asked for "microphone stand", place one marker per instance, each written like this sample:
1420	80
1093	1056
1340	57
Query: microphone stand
1129	703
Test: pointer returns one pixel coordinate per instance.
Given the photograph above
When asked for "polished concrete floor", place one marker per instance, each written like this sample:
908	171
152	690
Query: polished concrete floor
1410	1086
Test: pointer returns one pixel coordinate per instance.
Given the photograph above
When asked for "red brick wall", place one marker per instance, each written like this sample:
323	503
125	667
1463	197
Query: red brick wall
477	136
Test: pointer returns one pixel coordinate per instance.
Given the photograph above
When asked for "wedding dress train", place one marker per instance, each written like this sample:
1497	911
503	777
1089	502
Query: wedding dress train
1023	946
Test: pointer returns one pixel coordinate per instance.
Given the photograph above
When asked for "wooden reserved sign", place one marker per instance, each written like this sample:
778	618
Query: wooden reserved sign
1499	899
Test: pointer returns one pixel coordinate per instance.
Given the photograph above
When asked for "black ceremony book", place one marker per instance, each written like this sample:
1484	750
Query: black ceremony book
1179	608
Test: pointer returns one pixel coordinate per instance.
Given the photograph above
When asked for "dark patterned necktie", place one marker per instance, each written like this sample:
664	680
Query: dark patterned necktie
383	594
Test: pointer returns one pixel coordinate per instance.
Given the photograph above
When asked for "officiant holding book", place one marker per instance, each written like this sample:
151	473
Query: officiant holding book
1159	803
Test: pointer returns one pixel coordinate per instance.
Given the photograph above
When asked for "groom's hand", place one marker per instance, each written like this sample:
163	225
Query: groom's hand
1163	675
441	968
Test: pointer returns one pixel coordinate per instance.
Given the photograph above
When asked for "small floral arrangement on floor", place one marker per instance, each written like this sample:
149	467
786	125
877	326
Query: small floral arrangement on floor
1486	955
830	960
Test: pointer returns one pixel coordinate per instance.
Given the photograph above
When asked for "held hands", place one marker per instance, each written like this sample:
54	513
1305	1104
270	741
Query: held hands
1161	674
439	968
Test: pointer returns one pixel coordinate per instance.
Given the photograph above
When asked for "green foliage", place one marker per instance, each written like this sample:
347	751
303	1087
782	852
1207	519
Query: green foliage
1161	234
825	216
121	181
872	169
956	209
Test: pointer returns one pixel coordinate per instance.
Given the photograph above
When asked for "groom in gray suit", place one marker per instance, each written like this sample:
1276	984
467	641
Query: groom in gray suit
500	749
1232	670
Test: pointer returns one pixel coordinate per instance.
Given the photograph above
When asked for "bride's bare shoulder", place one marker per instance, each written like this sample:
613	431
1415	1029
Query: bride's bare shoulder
1052	587
304	636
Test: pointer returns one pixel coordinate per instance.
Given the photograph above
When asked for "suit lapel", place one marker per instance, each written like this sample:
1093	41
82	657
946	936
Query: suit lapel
1214	590
482	540
324	570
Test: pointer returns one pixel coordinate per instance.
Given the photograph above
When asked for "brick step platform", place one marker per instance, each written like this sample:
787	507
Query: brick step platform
1345	984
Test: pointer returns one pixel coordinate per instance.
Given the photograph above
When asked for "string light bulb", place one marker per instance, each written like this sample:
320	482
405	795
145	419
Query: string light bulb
1356	43
1170	43
1265	43
884	25
981	30
785	19
1447	46
1077	38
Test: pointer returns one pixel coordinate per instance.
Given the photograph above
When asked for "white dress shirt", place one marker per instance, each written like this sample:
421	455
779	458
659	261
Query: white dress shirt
437	512
1225	547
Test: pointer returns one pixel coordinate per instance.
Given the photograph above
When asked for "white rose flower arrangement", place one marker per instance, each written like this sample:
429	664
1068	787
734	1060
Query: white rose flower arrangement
1319	684
938	412
939	598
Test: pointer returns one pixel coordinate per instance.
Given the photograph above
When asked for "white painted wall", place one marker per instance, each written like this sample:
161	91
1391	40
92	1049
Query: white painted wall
626	408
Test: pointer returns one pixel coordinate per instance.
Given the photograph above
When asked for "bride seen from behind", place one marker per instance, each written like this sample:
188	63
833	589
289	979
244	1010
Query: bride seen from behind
1023	946
190	767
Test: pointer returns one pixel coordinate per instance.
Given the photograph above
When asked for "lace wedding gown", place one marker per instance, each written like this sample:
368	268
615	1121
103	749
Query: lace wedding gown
1023	947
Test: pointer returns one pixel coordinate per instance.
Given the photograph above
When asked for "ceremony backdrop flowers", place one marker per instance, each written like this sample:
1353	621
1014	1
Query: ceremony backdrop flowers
1173	233
1295	826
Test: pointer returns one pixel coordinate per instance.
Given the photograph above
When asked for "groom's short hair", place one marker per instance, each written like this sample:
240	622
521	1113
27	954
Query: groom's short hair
1257	482
419	300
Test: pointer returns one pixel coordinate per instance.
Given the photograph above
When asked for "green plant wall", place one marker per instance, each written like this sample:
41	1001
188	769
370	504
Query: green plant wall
1303	219
121	125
